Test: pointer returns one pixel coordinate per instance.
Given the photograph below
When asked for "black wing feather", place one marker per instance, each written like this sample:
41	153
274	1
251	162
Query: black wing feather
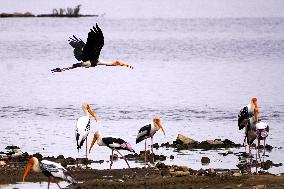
111	140
143	133
94	45
78	46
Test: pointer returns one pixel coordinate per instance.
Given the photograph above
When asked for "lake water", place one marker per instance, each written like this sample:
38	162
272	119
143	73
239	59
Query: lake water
195	73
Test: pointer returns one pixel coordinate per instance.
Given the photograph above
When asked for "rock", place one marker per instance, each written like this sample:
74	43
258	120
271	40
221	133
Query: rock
181	168
161	166
214	142
205	160
60	157
172	157
259	187
211	171
11	147
237	174
180	173
185	139
167	145
268	147
2	163
156	145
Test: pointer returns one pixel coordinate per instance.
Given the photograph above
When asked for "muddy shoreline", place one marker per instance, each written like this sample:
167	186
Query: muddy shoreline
160	176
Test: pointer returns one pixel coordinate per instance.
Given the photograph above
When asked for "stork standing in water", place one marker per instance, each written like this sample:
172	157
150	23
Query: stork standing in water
83	126
113	143
49	169
148	131
248	117
89	53
262	130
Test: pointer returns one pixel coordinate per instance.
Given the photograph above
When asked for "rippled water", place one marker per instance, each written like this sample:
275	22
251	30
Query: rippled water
195	74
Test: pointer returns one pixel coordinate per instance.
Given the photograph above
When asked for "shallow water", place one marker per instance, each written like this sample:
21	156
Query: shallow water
195	74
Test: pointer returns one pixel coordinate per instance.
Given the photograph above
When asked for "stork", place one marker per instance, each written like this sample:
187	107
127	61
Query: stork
113	143
248	116
49	169
262	131
83	126
88	53
148	131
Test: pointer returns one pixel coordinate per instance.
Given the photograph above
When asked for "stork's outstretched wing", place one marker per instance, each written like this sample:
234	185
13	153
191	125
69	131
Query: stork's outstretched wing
94	45
78	46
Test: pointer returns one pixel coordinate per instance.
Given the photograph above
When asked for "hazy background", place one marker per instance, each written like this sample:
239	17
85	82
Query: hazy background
196	64
146	8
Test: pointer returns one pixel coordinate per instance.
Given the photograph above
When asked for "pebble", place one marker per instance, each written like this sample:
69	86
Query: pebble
239	185
2	163
237	174
259	187
205	160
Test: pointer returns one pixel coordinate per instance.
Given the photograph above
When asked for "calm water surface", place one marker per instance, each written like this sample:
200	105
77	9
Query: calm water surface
195	74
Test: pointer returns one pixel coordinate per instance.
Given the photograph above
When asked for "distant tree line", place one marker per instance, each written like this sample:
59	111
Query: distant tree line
69	11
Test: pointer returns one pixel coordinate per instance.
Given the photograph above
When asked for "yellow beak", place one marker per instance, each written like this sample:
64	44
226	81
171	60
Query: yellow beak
92	113
92	144
162	128
27	170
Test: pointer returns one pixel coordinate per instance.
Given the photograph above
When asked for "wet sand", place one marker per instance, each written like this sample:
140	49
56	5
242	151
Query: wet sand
160	176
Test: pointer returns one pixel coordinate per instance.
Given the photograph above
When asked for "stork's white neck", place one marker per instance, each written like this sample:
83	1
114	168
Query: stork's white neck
36	167
100	141
156	127
106	63
86	112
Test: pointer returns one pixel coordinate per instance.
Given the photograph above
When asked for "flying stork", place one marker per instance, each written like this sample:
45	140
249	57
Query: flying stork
88	53
49	169
148	131
113	143
83	126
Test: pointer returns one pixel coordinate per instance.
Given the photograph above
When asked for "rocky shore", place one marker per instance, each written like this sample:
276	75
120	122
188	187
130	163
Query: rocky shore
158	175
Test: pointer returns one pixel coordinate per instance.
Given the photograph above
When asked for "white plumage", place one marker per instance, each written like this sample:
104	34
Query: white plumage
49	169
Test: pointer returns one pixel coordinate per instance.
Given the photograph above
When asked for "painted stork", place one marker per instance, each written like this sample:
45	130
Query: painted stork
113	143
49	169
248	116
250	110
88	53
83	126
148	131
262	130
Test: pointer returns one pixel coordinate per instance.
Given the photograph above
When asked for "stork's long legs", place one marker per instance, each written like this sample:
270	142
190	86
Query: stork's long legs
123	158
258	148
244	143
58	185
111	159
145	153
152	149
264	145
87	147
48	182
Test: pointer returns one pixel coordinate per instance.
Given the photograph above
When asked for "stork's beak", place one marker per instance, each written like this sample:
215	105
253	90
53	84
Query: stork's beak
28	169
92	112
161	127
121	63
93	142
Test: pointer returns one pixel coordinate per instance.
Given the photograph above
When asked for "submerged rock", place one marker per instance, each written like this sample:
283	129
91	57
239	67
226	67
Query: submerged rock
205	160
185	139
185	143
12	147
